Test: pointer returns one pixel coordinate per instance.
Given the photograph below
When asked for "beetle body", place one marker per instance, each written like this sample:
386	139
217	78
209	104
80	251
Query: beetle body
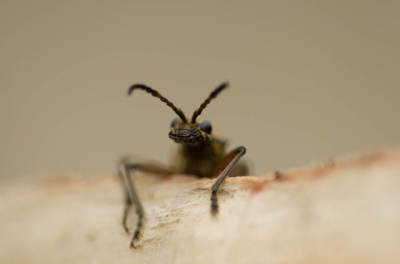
201	152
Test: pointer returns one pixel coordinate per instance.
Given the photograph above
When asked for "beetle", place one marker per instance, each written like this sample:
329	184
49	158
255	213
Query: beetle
201	153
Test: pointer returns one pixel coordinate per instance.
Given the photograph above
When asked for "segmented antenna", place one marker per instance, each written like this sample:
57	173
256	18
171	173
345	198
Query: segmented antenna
212	95
154	93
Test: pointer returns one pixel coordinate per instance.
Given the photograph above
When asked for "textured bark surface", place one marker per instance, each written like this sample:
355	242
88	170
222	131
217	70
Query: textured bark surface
347	211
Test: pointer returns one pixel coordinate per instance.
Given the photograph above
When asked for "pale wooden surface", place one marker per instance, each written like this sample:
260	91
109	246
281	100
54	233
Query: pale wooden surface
346	211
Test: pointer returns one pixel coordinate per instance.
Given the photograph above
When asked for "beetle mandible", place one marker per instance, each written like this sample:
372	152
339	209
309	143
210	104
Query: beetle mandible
201	153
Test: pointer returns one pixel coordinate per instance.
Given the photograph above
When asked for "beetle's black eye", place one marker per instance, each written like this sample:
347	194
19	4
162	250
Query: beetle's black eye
206	127
175	122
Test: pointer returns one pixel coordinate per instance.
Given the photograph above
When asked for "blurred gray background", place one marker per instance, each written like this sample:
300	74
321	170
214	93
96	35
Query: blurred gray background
310	80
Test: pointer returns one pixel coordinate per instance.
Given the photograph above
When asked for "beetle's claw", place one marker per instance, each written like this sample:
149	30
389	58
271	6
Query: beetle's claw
135	237
132	246
214	203
214	210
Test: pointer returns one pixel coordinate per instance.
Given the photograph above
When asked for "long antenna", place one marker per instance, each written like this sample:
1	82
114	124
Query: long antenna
154	93
212	95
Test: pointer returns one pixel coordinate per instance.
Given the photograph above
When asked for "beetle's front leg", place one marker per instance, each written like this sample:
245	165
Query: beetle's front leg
126	170
227	162
128	201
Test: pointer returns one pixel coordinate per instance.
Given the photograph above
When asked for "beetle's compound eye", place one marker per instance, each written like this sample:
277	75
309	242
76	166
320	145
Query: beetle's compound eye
206	127
175	122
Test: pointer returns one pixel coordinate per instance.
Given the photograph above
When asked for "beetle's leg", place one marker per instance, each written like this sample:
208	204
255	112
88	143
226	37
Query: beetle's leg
131	193
128	201
227	163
